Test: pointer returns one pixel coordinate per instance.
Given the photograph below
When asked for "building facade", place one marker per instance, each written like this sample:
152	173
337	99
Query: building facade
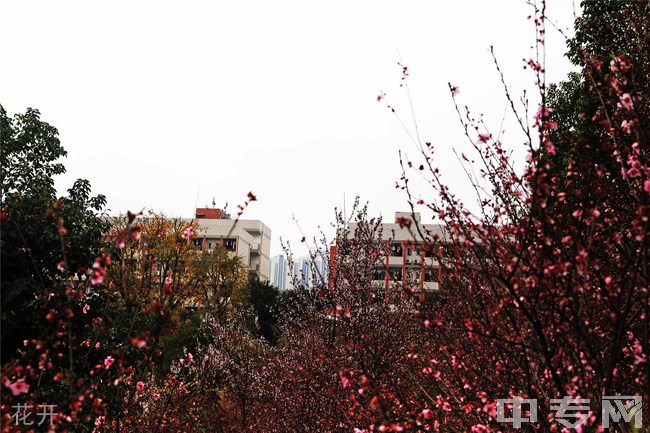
279	272
407	259
248	239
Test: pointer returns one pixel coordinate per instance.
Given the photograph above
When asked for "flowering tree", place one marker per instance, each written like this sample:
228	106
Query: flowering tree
544	290
545	293
343	359
89	355
49	245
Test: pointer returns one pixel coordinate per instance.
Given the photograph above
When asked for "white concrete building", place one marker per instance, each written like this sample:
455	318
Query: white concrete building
249	239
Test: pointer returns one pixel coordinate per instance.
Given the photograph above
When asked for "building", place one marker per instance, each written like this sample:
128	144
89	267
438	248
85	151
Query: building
407	258
248	239
302	274
306	271
320	261
279	272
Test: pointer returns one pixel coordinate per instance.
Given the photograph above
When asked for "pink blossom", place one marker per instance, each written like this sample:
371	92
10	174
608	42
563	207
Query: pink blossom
624	63
550	124
135	232
626	102
156	396
98	272
97	277
188	233
190	358
403	222
85	308
97	345
108	362
345	382
18	387
550	148
542	111
99	420
139	386
626	126
633	172
426	413
491	410
483	138
168	281
646	186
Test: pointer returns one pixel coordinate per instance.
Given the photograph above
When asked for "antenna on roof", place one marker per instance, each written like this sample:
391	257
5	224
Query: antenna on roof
223	214
213	203
196	204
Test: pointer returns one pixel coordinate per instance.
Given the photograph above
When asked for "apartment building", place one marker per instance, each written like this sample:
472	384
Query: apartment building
306	271
279	273
407	259
248	239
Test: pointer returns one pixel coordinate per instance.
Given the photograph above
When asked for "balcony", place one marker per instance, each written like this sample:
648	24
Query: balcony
430	286
254	269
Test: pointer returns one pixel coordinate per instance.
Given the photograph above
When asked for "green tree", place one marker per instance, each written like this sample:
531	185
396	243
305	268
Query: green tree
264	299
40	233
585	110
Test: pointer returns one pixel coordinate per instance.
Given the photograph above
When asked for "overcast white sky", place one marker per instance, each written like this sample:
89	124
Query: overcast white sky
158	101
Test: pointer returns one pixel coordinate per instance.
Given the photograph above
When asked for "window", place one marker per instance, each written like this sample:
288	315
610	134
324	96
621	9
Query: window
379	274
230	244
430	274
396	250
396	274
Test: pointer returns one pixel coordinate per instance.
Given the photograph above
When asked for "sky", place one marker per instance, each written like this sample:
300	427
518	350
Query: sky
168	105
